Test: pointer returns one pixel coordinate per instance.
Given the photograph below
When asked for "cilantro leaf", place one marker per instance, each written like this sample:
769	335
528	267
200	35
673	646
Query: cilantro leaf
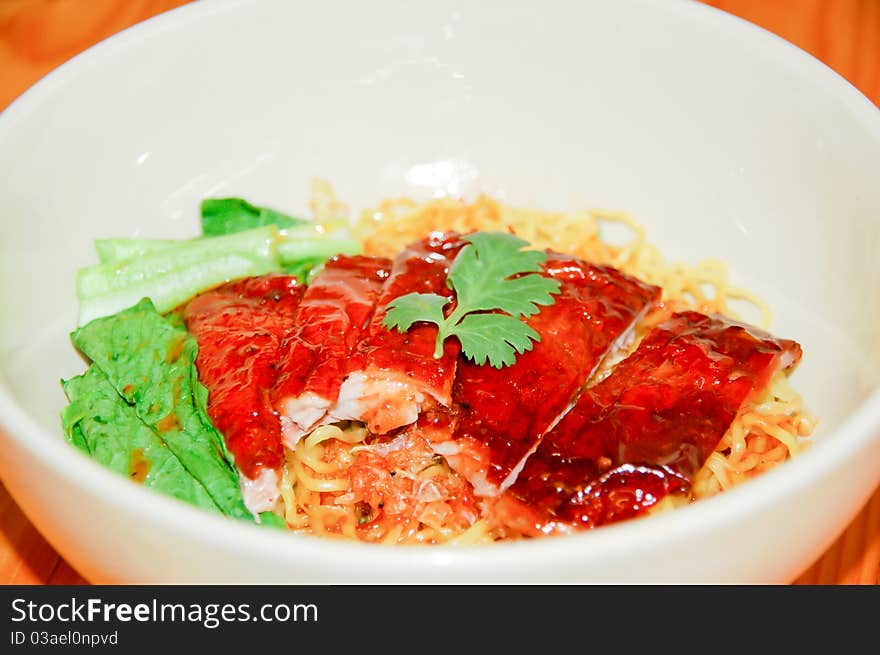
481	275
496	337
413	307
491	274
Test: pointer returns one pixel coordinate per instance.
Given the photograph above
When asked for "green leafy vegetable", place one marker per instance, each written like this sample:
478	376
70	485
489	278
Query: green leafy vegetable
228	215
175	273
305	270
316	241
106	427
151	364
171	272
272	520
75	435
118	250
140	409
491	274
300	250
302	245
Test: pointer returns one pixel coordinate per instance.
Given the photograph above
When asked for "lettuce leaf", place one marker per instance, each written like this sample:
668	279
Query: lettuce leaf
272	520
112	251
228	215
316	241
100	422
150	363
302	245
170	273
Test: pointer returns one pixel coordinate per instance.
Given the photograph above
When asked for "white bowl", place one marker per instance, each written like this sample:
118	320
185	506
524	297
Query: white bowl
722	139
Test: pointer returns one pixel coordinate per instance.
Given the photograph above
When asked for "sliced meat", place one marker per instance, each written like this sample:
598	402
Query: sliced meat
502	414
239	328
330	321
390	375
644	431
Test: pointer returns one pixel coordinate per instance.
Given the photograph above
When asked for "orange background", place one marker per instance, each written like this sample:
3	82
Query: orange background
38	35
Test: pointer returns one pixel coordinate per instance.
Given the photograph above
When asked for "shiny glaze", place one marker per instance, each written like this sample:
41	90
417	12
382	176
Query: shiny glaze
405	361
334	311
568	495
502	414
240	328
644	431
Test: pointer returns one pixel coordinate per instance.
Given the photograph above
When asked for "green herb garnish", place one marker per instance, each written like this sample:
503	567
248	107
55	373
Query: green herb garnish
496	283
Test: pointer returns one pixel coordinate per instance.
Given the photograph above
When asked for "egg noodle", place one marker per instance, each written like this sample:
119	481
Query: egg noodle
339	481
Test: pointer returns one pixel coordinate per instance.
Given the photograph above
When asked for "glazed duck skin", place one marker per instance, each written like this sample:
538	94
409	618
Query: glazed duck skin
392	375
330	321
240	328
647	429
501	415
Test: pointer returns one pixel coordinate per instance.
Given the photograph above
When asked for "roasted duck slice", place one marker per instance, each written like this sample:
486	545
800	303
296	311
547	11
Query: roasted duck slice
501	415
392	375
332	316
240	328
642	433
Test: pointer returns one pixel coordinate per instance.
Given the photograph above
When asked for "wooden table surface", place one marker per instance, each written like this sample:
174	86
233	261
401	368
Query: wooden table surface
38	35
